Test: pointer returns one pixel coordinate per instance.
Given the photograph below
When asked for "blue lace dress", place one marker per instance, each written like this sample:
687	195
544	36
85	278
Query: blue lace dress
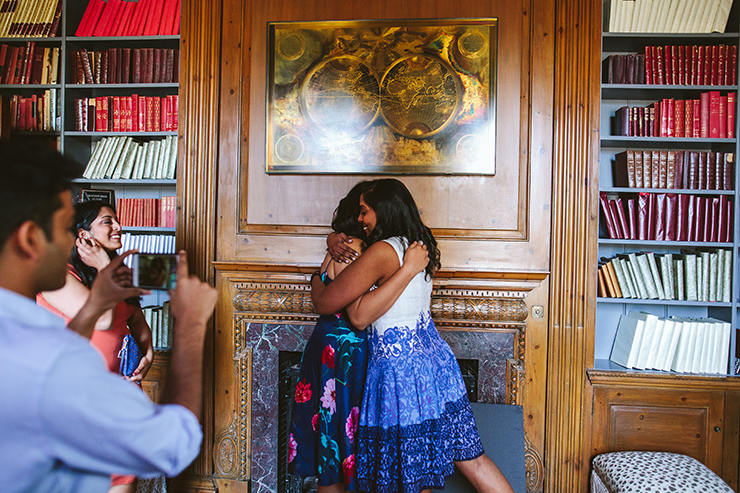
416	418
328	397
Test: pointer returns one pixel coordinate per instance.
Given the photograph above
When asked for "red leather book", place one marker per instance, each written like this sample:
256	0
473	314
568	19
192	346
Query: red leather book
624	225
697	118
722	218
675	63
125	65
154	18
707	65
651	216
631	219
647	173
715	171
136	66
115	23
157	67
691	220
678	170
710	170
38	65
693	55
168	17
699	65
128	114
643	213
170	63
141	114
671	119
704	114
128	14
731	106
163	117
679	118
91	114
106	113
682	65
660	64
53	27
116	113
659	221
623	170
156	112
80	113
714	114
176	31
654	118
12	60
721	65
646	125
135	19
112	64
149	70
667	66
119	65
655	169
4	59
699	218
671	217
615	219
682	221
729	216
26	62
175	111
732	65
145	14
670	177
134	108
722	117
713	223
99	115
662	169
728	169
713	66
693	177
107	18
701	172
171	113
149	117
86	17
707	220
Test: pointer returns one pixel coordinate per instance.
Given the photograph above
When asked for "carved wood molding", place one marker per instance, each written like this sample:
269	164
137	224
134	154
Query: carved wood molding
533	466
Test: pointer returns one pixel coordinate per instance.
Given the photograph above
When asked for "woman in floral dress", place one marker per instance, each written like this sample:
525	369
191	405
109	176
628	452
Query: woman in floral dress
332	376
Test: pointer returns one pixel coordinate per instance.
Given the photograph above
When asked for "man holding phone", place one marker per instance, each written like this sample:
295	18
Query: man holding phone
67	422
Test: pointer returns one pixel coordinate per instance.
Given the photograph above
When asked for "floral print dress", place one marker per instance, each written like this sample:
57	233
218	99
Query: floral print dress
327	403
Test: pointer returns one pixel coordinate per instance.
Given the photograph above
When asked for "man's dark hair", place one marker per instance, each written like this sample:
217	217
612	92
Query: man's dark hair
32	176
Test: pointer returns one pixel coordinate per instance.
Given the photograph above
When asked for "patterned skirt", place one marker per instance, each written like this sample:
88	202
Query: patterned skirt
327	403
416	418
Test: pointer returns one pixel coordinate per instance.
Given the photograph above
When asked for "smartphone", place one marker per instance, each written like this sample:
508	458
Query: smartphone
154	270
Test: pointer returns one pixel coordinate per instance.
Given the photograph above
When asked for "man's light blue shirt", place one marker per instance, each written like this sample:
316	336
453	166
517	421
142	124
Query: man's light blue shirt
66	422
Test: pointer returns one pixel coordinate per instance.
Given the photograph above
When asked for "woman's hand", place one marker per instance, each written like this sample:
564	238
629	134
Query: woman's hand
338	249
144	365
92	254
416	257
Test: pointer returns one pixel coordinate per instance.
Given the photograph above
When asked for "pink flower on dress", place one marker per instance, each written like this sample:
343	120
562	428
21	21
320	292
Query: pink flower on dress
327	357
349	468
315	421
292	448
350	426
329	399
302	392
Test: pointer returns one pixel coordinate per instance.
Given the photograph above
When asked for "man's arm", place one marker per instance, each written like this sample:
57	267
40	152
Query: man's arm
192	303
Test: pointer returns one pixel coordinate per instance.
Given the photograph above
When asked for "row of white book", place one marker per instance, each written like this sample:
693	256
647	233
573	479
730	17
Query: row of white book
124	158
668	16
691	276
146	243
160	321
684	345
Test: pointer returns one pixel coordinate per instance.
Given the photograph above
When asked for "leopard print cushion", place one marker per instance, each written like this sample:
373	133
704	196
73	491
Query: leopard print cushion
655	472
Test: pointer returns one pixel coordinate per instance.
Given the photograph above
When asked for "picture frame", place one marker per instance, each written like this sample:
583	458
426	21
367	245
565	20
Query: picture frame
382	97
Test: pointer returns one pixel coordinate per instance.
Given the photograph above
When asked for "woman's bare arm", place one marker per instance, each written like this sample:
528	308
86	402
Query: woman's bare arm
374	304
377	264
70	299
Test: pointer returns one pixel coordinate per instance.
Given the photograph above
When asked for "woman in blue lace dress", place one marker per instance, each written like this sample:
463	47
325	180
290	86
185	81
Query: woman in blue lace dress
328	395
415	420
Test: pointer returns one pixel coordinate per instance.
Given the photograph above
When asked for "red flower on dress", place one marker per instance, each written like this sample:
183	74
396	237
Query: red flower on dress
349	468
302	392
350	426
327	357
315	421
292	448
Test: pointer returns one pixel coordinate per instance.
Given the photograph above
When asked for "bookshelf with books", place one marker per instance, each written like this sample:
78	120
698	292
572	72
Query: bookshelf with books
99	80
667	310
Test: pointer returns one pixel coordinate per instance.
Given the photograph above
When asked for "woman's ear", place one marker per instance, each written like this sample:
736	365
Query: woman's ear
82	234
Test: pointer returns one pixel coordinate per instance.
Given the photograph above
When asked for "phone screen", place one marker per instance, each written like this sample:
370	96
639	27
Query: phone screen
154	271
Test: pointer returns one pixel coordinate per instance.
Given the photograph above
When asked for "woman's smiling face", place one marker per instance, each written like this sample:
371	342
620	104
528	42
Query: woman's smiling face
367	216
106	230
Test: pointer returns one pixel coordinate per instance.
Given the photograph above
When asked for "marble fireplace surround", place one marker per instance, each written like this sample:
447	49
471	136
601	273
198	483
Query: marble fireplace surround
487	325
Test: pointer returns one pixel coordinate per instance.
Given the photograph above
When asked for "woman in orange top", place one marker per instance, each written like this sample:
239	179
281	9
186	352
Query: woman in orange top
98	237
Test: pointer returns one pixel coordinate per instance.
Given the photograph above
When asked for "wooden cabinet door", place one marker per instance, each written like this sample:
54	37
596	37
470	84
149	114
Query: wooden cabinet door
662	420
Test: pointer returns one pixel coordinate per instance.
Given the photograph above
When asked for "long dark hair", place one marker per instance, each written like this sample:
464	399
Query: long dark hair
85	214
396	214
346	214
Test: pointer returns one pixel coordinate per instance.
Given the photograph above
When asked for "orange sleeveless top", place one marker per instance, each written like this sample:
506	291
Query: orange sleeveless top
107	342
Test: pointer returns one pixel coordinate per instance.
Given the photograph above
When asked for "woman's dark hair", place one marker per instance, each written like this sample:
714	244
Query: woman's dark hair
396	214
346	214
85	214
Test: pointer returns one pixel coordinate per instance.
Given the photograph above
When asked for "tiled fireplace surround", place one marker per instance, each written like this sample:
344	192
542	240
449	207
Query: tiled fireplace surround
270	317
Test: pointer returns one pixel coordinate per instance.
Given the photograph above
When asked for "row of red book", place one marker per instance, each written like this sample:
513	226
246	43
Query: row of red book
127	114
35	113
30	18
29	64
710	116
157	213
706	170
668	217
130	18
691	65
125	65
681	65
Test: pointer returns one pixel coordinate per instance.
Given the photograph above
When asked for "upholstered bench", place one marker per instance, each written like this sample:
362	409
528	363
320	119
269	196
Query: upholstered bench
652	472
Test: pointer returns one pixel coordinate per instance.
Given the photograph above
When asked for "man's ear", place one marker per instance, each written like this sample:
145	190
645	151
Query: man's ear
30	240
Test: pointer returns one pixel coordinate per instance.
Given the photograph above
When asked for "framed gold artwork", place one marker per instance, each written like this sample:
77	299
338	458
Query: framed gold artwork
377	97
